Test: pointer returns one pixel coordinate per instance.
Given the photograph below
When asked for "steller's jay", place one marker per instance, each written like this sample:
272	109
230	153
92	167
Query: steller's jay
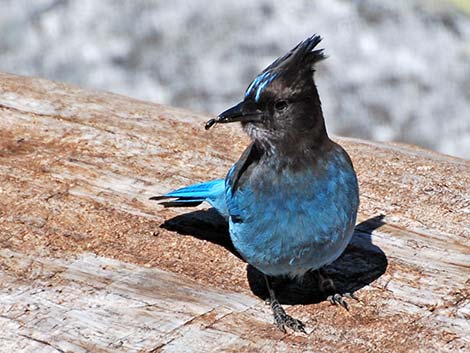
291	199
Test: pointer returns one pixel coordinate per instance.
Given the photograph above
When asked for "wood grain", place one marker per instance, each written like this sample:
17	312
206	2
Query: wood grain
89	264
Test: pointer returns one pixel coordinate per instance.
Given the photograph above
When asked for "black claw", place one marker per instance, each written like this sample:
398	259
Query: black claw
280	325
327	286
343	303
338	299
298	326
331	300
351	295
283	320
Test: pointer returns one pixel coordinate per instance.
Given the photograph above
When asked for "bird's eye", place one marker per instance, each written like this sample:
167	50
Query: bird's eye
280	105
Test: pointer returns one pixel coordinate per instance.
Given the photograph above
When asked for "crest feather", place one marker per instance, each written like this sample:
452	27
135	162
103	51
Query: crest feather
301	56
297	64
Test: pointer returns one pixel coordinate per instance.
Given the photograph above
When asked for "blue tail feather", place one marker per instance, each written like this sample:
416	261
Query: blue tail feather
212	192
201	190
182	203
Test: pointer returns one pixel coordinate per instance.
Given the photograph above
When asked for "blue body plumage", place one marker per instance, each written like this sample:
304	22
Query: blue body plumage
292	222
291	200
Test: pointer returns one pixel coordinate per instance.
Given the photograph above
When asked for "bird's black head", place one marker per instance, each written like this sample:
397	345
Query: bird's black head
281	108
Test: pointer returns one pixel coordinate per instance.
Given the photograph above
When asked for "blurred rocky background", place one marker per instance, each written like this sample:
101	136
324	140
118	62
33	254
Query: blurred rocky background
397	70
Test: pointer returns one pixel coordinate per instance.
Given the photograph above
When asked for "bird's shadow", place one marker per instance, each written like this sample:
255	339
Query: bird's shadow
361	263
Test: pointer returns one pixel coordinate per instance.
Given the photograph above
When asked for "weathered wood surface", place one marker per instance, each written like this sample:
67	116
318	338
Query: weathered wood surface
86	264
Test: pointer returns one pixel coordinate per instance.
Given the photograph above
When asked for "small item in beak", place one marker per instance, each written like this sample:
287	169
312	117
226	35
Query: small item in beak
210	123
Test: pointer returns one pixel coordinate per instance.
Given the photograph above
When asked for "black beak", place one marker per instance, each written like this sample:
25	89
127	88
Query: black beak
237	113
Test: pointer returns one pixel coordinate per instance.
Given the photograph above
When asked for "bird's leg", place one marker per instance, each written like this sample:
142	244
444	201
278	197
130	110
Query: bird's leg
281	318
327	286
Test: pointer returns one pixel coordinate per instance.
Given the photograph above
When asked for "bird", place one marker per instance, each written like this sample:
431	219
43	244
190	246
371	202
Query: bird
291	200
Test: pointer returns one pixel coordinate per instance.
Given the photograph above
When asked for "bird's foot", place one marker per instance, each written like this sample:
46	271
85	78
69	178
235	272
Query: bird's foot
327	285
283	320
339	299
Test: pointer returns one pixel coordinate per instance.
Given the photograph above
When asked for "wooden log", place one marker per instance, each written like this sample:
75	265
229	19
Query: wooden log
89	264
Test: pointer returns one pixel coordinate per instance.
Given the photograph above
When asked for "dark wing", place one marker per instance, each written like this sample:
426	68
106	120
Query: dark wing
236	177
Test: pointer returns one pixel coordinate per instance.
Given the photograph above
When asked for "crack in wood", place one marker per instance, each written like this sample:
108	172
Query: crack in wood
42	342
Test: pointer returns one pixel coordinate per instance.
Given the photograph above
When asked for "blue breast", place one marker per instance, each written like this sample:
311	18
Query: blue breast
288	222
